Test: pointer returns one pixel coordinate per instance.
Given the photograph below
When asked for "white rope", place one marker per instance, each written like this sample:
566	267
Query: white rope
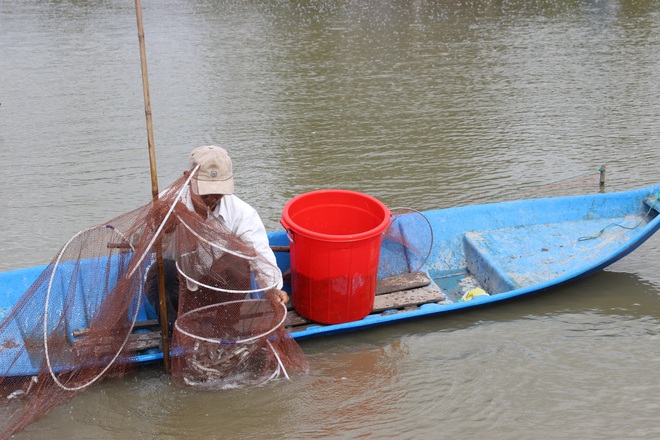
275	374
279	361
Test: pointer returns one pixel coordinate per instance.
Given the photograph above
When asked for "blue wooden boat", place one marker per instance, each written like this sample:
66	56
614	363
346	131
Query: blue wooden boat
481	255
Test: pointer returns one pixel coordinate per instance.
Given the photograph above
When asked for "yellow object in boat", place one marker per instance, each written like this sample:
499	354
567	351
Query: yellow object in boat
473	293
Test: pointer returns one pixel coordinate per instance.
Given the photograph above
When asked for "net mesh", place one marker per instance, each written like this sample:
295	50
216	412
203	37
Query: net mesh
406	245
231	344
76	324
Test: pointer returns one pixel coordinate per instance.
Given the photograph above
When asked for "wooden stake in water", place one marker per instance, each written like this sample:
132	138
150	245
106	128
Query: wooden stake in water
154	189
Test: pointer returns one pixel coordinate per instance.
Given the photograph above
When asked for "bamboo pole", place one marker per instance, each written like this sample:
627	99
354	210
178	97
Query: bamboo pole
154	190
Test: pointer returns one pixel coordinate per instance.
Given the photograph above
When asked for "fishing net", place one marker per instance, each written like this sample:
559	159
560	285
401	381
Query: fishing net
231	344
77	323
406	245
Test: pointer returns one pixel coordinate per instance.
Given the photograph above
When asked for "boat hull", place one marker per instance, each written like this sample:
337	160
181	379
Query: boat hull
506	250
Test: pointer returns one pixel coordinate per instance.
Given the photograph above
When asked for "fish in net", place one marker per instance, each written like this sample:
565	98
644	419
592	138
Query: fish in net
231	344
74	326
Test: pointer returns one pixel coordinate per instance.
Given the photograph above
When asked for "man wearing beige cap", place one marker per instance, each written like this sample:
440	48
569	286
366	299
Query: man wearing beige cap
214	183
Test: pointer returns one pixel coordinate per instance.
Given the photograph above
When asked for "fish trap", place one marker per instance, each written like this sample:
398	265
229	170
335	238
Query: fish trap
231	344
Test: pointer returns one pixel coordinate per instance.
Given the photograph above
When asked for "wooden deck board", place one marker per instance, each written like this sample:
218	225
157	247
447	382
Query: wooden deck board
402	282
395	293
406	298
136	342
392	294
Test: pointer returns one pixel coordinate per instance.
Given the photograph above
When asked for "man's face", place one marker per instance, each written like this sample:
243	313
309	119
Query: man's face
211	200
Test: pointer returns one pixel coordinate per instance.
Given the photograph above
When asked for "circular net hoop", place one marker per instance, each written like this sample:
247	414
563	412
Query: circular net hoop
407	243
225	272
230	345
63	319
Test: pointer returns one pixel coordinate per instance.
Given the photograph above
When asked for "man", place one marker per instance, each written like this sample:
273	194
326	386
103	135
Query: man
214	184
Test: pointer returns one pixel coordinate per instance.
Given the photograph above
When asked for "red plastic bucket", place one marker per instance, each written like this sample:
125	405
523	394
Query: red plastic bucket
335	246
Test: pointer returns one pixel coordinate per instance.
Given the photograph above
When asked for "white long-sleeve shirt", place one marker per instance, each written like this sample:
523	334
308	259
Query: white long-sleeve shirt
244	221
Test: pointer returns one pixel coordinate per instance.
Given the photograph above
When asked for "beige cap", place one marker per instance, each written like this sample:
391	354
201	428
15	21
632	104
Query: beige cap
215	174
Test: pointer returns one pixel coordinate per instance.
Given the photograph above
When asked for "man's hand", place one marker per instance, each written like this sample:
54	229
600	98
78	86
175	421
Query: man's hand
280	295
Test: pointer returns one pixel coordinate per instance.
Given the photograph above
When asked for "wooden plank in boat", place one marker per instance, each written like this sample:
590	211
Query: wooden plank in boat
406	298
140	325
293	319
104	347
402	282
403	291
143	341
394	301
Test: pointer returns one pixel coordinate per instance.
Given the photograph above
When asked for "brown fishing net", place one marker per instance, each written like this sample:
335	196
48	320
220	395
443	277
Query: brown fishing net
77	323
231	344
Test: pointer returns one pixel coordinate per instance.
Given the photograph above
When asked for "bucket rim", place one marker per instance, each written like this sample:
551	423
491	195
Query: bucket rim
289	224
